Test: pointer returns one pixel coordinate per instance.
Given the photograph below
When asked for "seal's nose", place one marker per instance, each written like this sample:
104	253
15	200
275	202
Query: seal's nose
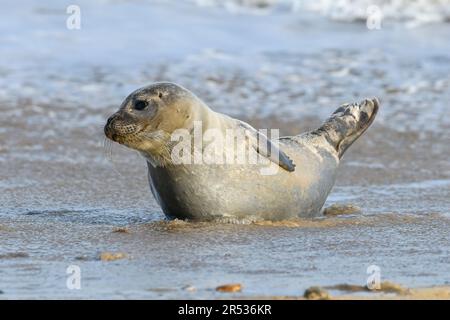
108	122
108	126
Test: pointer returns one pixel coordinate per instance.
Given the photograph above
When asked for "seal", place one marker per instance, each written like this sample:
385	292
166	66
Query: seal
292	177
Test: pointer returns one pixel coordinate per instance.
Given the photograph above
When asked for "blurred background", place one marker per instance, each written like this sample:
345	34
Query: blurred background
65	66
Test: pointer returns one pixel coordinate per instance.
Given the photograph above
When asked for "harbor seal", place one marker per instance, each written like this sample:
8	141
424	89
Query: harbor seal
232	191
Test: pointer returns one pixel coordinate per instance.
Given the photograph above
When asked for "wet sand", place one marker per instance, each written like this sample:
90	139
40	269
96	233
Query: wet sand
430	293
160	259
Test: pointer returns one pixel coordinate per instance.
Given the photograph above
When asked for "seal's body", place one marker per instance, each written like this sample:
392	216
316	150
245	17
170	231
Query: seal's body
295	180
241	192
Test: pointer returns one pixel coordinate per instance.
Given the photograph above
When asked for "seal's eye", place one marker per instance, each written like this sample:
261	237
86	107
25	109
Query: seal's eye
140	104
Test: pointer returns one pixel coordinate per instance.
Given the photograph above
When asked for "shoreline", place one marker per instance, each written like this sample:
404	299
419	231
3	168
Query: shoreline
421	293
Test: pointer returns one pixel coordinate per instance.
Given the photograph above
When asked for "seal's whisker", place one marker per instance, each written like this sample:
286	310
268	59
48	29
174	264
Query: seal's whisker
108	151
114	167
107	148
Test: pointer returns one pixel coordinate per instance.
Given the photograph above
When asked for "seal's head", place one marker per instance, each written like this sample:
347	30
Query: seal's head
148	116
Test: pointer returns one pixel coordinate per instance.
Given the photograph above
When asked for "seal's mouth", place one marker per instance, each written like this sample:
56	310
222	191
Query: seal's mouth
121	130
139	136
133	134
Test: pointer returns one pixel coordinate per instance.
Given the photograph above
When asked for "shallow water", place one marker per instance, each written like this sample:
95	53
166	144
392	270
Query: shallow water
62	195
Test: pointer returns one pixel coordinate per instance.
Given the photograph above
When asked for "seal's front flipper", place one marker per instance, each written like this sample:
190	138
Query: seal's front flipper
268	149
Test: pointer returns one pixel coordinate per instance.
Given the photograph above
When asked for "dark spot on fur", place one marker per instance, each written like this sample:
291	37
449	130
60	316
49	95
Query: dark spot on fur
364	117
348	112
339	110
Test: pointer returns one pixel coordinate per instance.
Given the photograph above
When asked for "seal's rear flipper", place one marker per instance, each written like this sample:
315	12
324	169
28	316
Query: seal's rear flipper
348	123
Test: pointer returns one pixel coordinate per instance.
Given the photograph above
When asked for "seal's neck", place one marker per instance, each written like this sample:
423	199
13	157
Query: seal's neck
181	147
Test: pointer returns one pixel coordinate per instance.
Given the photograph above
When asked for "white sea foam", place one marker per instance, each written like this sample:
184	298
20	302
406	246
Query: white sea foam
284	62
410	12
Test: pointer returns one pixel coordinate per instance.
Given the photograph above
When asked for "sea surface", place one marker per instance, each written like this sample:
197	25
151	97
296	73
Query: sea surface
275	64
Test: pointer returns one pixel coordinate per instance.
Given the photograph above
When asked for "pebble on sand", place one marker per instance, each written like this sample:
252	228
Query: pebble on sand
84	258
233	287
121	230
14	255
111	256
189	288
316	293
